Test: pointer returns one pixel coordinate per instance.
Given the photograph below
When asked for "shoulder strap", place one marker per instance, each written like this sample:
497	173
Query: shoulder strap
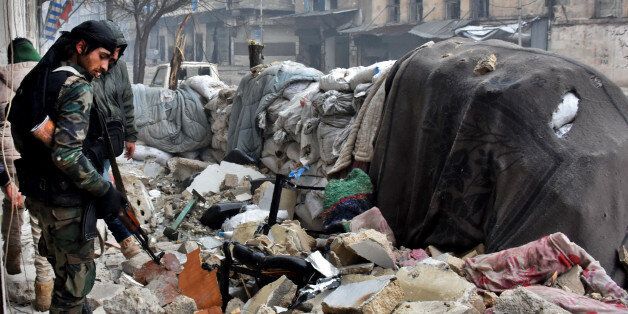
68	69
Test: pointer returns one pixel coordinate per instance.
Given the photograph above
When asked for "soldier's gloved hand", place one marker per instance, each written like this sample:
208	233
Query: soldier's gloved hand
111	203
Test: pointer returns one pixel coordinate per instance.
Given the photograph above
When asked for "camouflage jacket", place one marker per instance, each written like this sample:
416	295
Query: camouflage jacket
72	122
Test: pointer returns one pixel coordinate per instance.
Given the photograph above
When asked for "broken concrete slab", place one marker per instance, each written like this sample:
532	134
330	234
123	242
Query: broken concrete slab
570	281
432	280
133	300
181	305
245	231
231	181
380	295
139	199
184	168
128	281
234	306
210	179
289	238
358	269
187	247
135	263
263	195
372	219
103	291
209	242
449	307
243	197
278	293
368	244
323	266
165	287
150	270
521	301
455	264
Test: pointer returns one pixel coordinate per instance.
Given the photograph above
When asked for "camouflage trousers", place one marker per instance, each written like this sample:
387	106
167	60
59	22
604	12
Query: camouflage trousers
71	258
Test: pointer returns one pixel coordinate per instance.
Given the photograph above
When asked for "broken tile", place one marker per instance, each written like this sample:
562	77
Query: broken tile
151	270
181	304
380	295
432	280
449	307
199	284
278	293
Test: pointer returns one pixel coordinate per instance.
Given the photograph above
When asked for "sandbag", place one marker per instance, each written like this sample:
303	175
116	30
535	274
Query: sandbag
205	85
466	139
335	80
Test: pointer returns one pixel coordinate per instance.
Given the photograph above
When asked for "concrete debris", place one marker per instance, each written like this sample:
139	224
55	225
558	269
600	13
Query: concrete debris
150	270
181	305
358	269
102	292
234	306
20	287
454	263
486	65
433	281
165	286
367	244
380	295
322	265
184	168
134	264
243	197
372	219
230	182
289	238
152	169
277	293
209	243
133	300
570	281
245	231
623	256
433	251
521	301
434	307
128	281
139	198
210	179
187	247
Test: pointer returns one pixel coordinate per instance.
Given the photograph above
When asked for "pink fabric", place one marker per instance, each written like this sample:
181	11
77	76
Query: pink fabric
408	257
535	262
576	303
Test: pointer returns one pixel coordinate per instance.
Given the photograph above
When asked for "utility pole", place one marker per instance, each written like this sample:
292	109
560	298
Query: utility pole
519	8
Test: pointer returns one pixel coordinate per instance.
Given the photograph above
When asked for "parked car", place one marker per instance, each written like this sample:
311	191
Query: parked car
187	69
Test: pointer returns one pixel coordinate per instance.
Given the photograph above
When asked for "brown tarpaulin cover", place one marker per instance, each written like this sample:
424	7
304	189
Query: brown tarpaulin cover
463	158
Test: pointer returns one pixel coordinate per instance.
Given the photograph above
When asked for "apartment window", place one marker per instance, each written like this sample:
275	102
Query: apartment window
452	9
480	9
608	8
318	5
416	10
394	11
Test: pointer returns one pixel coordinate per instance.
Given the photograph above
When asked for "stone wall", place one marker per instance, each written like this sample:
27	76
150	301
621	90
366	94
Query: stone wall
602	44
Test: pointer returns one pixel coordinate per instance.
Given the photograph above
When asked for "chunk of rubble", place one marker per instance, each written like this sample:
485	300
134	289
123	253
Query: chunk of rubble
181	304
575	303
231	181
432	280
210	179
372	219
165	286
150	270
139	199
449	307
184	168
187	247
135	263
133	300
570	281
380	295
358	269
521	301
369	244
454	263
289	238
102	292
245	231
234	306
486	65
278	293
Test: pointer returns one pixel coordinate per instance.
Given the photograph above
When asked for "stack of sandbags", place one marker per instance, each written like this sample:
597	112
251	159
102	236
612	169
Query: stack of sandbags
218	110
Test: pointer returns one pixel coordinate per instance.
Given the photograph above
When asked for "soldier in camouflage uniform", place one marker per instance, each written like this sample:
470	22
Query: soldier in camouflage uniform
60	182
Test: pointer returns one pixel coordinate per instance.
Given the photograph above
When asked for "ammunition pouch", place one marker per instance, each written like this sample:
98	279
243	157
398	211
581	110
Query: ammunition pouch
89	231
47	185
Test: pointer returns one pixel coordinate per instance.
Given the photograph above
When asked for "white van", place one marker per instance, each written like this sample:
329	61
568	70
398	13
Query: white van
187	69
